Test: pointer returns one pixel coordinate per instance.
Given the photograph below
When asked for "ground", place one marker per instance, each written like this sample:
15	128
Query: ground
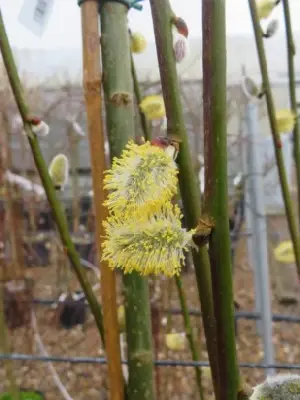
86	381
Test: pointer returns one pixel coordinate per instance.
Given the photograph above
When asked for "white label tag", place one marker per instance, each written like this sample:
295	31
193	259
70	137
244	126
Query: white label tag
34	15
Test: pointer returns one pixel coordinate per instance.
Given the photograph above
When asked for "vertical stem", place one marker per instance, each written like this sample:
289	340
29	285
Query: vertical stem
291	51
74	161
93	99
118	88
189	334
216	196
42	168
161	15
138	96
275	134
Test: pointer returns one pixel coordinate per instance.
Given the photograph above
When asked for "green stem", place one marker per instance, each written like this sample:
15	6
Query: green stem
42	168
292	224
118	89
161	15
216	191
292	86
189	334
143	120
74	163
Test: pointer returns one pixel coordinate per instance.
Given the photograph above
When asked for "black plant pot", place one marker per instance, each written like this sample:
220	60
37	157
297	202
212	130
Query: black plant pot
71	312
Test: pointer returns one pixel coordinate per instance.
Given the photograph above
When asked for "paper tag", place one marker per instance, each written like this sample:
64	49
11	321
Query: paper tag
34	15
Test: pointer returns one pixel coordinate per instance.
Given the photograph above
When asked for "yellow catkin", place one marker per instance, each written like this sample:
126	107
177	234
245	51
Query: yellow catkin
265	8
153	107
141	180
176	341
285	120
148	244
138	43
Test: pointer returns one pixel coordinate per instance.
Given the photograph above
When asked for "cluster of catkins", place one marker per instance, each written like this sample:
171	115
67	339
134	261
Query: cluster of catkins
144	231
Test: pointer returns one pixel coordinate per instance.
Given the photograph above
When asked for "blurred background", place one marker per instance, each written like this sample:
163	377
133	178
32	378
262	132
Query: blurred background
51	71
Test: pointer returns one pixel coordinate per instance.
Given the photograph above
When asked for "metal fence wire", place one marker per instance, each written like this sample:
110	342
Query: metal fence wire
44	262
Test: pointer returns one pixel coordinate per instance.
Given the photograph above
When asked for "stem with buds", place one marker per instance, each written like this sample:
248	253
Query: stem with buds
143	120
41	166
275	134
292	86
162	16
216	191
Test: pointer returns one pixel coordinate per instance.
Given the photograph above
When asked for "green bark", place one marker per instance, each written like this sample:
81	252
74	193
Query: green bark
292	224
291	51
216	191
189	190
118	88
143	120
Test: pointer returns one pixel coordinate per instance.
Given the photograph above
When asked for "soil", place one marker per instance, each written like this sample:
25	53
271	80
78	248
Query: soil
87	381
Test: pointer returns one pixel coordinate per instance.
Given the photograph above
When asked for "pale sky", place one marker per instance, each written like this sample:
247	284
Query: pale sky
64	27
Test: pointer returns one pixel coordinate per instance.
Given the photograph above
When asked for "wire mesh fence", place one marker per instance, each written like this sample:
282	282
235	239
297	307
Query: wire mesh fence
54	344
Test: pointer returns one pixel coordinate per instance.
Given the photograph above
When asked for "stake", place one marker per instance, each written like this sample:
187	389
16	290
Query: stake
93	99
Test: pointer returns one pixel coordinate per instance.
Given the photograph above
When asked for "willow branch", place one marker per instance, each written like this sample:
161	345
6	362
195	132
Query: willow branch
216	191
42	168
162	16
291	51
138	96
275	134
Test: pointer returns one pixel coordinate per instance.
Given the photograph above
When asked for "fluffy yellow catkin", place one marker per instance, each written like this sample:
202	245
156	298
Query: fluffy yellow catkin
142	179
176	341
149	244
265	8
285	120
153	107
138	43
